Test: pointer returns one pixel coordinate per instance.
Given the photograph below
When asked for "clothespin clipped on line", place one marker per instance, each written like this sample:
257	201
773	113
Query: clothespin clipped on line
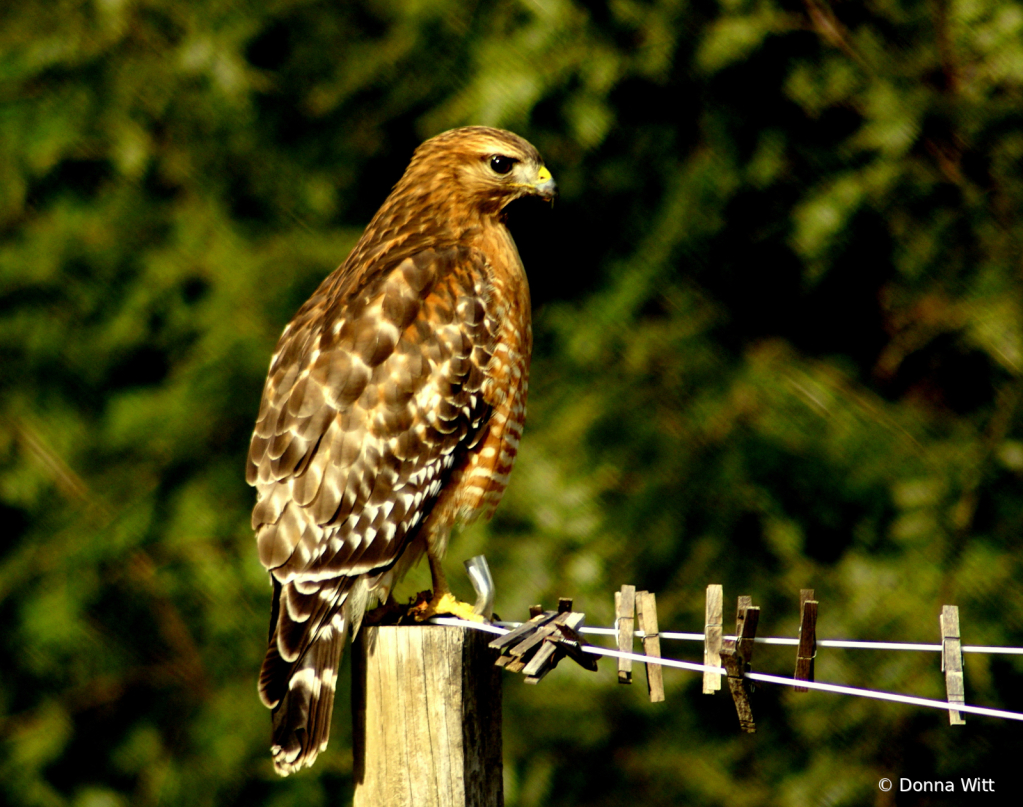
807	650
646	612
625	613
535	647
712	639
735	657
952	661
631	605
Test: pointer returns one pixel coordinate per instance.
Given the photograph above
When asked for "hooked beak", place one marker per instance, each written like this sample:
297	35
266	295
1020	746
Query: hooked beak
545	187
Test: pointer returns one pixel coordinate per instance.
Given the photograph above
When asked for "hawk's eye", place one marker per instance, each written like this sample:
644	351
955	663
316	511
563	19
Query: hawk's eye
501	164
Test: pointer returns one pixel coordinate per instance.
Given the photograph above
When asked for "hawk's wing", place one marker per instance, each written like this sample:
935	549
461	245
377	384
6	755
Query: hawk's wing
373	395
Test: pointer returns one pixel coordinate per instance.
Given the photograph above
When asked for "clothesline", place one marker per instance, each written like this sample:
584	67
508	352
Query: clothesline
503	627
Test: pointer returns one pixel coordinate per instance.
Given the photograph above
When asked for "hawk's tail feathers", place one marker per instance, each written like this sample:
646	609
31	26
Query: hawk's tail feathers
302	697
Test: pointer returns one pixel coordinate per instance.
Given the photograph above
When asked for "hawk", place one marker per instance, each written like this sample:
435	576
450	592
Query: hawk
392	410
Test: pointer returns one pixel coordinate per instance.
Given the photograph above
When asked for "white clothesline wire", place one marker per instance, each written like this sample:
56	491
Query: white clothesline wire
499	628
784	640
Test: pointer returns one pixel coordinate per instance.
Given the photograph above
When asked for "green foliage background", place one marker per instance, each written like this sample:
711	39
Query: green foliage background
779	331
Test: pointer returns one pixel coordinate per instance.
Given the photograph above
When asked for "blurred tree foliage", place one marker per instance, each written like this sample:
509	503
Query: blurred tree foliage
779	344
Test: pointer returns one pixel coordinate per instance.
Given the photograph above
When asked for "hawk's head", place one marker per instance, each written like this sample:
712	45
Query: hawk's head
480	167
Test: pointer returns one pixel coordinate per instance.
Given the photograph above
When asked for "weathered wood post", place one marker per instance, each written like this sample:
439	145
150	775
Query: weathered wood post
426	701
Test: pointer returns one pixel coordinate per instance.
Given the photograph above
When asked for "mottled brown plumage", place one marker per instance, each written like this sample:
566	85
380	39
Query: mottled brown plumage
393	409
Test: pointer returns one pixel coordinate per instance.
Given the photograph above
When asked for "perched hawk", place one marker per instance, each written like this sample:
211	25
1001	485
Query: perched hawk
393	408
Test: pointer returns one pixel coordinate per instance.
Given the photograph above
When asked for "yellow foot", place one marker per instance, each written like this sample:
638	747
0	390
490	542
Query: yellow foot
445	604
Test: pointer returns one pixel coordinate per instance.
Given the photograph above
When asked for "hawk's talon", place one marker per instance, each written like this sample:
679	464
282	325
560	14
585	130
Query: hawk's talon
388	613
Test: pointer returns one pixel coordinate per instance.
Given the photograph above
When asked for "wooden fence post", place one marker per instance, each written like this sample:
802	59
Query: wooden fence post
426	703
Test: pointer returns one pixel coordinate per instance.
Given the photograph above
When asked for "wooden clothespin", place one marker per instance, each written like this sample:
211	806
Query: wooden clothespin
807	651
646	613
625	613
535	647
546	657
952	661
571	644
712	639
736	655
515	638
561	640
